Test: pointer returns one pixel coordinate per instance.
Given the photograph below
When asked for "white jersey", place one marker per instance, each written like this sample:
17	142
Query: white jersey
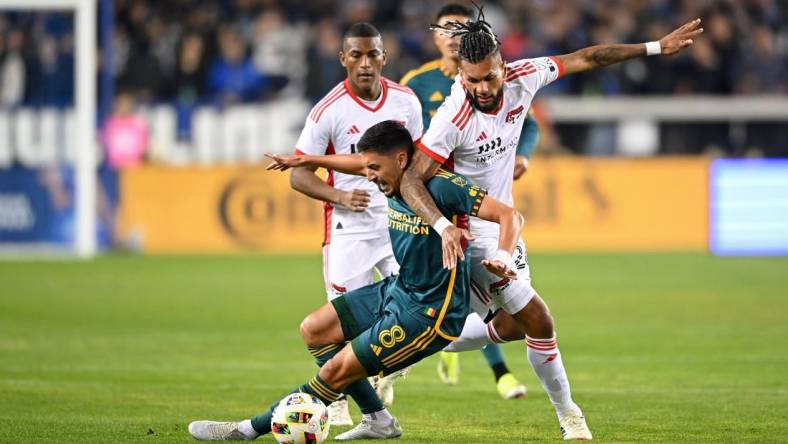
334	126
482	145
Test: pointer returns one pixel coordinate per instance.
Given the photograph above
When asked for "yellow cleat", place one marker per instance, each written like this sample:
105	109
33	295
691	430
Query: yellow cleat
510	388
449	368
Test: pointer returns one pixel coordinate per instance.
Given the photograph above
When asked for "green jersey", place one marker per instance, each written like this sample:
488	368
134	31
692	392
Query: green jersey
432	84
423	282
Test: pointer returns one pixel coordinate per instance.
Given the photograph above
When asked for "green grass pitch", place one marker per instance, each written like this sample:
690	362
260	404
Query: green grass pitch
659	348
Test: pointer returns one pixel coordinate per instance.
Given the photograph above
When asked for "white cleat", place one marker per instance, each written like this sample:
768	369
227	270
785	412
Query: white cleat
384	386
216	431
574	428
371	429
339	413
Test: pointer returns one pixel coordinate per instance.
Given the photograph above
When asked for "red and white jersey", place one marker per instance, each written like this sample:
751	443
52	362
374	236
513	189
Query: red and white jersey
334	126
482	145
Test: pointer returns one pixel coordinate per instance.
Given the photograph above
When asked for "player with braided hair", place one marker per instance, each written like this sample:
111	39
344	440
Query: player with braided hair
475	132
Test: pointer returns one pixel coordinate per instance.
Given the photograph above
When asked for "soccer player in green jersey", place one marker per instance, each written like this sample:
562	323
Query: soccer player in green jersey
432	83
394	323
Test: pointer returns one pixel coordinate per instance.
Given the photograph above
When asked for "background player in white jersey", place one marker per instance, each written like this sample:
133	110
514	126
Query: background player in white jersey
477	129
356	239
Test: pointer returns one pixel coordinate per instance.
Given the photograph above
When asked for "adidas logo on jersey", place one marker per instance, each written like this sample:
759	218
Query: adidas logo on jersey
353	130
481	137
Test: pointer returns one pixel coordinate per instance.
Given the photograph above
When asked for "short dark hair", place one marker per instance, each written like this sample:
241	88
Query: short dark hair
362	29
477	40
386	137
454	9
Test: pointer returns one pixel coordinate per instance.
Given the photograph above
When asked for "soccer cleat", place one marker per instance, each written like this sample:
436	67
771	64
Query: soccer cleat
449	368
574	428
384	386
510	388
216	431
339	413
371	429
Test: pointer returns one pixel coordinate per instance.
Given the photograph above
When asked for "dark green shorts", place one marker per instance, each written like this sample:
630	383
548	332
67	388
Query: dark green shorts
387	334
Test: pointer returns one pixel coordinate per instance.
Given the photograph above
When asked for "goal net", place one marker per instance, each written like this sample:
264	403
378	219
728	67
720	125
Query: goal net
48	152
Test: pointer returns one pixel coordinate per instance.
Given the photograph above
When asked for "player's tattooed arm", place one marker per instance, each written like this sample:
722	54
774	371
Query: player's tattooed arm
414	191
603	55
344	163
510	223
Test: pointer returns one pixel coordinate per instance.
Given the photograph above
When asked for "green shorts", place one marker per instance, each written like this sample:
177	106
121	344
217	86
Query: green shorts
387	334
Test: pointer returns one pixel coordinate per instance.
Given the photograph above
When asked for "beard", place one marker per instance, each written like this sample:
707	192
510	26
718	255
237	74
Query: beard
489	107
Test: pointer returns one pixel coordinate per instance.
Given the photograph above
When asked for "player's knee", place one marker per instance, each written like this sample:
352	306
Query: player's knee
309	331
507	327
538	320
542	325
336	373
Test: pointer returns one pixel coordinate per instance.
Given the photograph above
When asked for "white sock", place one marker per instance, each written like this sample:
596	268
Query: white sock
246	429
475	335
380	417
546	361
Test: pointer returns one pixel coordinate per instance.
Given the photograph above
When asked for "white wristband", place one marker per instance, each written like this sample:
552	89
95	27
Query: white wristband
505	257
441	225
653	48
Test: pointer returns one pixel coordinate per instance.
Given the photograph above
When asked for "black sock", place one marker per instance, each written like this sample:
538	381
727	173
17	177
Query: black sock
499	370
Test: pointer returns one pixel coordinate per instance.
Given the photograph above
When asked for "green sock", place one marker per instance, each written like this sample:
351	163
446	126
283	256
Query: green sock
316	387
361	391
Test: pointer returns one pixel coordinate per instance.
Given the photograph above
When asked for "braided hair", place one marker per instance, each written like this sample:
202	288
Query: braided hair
477	40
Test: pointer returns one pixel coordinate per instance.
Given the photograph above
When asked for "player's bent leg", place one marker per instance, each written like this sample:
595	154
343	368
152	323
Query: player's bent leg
345	368
387	267
322	332
322	327
545	359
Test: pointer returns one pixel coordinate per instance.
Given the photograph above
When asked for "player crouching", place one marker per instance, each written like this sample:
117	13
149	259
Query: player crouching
394	323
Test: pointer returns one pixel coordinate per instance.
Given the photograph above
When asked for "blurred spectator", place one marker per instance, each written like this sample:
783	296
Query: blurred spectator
125	135
52	72
190	70
233	77
280	50
324	70
12	70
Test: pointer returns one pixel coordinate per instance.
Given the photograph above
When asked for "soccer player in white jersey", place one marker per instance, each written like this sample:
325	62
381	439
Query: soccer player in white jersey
476	131
356	241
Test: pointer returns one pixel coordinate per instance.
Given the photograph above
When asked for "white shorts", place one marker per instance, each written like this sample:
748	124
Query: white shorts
350	263
488	291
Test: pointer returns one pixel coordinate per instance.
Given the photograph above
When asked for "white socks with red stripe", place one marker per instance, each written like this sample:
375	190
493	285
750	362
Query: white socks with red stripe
475	335
546	361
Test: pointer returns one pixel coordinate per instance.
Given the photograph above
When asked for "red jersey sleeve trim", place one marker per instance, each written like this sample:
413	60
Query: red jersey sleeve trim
434	156
559	65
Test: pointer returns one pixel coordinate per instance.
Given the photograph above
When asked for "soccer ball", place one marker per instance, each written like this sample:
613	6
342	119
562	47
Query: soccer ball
300	418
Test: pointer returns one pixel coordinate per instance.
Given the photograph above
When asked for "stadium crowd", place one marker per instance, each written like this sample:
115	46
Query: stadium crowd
220	52
231	51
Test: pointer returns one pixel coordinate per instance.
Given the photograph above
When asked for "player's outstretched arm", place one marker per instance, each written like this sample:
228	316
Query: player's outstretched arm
413	190
511	224
603	55
305	181
343	163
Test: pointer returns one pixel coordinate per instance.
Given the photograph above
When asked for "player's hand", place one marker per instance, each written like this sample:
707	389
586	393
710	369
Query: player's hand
680	38
520	166
499	268
451	239
282	163
356	200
